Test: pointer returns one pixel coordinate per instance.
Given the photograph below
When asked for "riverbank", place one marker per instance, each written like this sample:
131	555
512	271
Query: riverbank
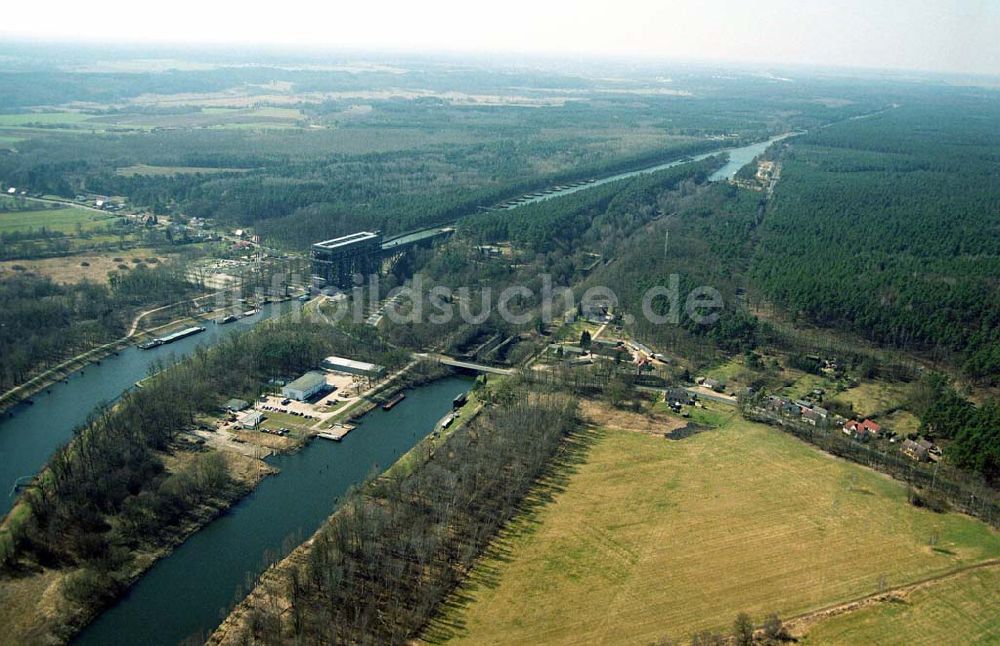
35	608
267	590
186	591
59	373
40	609
62	371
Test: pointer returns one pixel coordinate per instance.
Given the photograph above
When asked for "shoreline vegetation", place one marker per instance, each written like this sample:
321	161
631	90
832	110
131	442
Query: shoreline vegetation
48	328
124	492
377	569
268	584
71	366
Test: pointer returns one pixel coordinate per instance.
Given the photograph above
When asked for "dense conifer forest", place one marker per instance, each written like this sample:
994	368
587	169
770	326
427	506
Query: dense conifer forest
889	227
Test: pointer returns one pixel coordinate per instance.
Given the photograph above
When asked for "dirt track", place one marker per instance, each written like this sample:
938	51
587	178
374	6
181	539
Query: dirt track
799	626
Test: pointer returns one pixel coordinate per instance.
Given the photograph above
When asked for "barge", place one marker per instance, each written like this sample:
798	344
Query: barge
170	338
395	400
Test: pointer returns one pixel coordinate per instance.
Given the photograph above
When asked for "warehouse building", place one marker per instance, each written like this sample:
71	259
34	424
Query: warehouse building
251	420
305	386
352	367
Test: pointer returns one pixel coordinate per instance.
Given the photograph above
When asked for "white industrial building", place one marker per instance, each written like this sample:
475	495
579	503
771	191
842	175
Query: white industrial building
305	386
352	367
251	419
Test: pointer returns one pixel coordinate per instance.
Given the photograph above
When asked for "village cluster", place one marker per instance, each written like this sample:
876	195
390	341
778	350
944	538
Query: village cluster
864	430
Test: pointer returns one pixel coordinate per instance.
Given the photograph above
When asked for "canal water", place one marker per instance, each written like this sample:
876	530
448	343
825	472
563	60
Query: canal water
30	434
188	593
738	158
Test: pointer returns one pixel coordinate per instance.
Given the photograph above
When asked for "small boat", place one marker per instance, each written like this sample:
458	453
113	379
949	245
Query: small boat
228	319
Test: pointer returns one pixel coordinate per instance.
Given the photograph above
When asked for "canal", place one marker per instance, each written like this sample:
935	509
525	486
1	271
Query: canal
738	158
188	593
30	434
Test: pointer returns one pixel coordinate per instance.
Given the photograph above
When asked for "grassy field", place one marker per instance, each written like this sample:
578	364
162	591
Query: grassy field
650	538
64	219
42	118
85	266
958	610
874	396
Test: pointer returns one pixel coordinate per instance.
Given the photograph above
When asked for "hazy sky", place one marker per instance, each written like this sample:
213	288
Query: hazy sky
945	35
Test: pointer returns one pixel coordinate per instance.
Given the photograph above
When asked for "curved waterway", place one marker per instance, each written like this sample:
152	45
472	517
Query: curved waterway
188	593
30	434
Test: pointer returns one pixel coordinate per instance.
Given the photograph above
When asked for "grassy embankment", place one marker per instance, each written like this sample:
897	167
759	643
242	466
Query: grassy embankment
653	537
960	609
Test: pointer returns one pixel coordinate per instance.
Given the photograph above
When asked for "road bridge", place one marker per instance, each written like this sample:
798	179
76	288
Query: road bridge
464	365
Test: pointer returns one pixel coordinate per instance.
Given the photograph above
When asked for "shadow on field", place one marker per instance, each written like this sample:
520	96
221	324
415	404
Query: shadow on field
449	620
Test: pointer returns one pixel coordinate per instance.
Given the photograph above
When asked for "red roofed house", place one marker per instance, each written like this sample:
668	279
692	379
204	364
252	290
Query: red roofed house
861	429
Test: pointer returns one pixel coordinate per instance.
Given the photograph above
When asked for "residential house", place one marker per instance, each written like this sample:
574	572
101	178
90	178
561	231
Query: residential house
812	414
862	429
916	450
678	395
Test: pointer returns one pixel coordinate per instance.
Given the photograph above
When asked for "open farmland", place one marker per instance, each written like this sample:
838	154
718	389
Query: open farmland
651	538
957	610
67	219
42	119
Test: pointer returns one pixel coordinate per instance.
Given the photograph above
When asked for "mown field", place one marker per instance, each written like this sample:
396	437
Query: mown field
66	219
651	538
959	610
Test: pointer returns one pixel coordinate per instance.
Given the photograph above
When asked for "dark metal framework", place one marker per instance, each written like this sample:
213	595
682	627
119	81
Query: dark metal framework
336	261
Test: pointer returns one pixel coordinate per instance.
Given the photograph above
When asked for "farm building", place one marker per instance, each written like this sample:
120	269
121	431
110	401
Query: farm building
567	349
352	367
305	386
715	384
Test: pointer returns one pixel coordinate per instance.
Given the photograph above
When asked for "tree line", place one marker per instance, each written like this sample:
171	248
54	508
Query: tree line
106	496
376	572
42	322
